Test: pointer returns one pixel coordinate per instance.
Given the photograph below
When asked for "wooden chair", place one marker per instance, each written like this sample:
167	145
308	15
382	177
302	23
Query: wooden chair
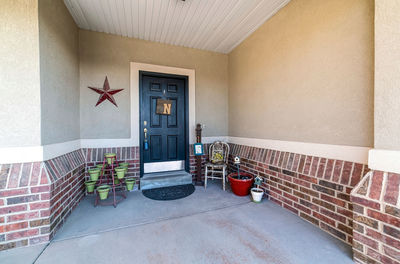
217	166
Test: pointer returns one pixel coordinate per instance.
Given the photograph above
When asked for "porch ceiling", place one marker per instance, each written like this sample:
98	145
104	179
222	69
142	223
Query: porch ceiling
215	25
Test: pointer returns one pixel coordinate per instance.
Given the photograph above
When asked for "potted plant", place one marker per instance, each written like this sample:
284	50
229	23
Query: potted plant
94	174
130	182
241	182
110	157
90	186
257	193
103	191
120	172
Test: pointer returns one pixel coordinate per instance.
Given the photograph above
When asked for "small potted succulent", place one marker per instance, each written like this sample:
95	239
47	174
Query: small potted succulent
257	193
241	182
103	191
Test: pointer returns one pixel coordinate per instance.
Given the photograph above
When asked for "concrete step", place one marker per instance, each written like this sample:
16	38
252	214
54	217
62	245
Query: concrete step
164	179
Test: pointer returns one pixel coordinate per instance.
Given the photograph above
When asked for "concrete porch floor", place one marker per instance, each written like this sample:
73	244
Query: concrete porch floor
209	226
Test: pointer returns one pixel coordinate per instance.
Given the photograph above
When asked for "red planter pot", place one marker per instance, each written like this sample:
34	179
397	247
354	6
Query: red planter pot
241	187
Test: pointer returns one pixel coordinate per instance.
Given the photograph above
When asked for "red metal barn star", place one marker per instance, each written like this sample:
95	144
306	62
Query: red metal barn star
106	93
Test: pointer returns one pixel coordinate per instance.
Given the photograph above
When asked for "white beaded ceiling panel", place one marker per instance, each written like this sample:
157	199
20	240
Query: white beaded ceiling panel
215	25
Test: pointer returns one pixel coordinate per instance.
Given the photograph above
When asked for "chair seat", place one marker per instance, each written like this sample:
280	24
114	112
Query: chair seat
217	165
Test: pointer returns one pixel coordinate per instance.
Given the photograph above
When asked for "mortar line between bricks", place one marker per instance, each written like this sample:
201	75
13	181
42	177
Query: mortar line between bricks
149	222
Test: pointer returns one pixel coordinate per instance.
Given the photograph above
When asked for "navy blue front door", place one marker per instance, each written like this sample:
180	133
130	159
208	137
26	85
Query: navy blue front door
163	135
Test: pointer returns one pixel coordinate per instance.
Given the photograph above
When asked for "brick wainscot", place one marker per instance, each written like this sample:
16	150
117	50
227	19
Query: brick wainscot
37	197
376	219
316	189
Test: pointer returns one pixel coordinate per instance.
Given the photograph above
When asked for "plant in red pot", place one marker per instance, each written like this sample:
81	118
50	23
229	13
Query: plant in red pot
241	182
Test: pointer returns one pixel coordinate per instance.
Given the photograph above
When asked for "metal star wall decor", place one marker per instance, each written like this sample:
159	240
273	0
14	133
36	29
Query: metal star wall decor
106	93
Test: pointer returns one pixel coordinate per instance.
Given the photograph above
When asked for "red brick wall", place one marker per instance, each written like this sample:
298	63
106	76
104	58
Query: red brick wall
316	189
94	156
376	219
67	187
24	188
36	198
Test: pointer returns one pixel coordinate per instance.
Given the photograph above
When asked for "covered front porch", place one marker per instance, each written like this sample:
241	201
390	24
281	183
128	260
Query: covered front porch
164	93
209	226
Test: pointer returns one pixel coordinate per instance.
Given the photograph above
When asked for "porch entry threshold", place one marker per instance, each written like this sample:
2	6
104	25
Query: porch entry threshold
164	179
151	167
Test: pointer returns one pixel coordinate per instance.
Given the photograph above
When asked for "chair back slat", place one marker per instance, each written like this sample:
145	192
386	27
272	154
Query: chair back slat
218	152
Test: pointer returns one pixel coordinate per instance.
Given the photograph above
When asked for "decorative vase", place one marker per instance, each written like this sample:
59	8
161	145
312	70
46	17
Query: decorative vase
90	186
100	166
257	194
241	187
103	191
94	174
129	184
120	172
110	157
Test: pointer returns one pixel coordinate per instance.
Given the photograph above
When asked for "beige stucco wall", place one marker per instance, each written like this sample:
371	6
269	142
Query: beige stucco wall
104	54
19	74
59	73
306	75
387	74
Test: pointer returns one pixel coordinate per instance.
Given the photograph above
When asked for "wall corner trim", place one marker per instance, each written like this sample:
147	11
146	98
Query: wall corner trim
384	160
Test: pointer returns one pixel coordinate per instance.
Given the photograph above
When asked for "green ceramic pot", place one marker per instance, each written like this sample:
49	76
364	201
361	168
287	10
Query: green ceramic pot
94	174
124	164
120	172
116	180
90	186
103	191
129	184
110	157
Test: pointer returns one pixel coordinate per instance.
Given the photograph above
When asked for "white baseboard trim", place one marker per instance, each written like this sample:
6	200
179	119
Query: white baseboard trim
54	150
347	153
46	152
21	154
209	140
384	160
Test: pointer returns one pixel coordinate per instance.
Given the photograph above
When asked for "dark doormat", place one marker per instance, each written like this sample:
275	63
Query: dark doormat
169	193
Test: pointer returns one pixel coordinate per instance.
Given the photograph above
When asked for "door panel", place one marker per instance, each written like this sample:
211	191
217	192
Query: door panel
165	133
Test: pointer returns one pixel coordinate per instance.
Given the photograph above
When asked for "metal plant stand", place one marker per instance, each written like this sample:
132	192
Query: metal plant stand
116	189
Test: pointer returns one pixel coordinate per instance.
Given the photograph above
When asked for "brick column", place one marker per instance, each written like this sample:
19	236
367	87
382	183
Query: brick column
376	219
